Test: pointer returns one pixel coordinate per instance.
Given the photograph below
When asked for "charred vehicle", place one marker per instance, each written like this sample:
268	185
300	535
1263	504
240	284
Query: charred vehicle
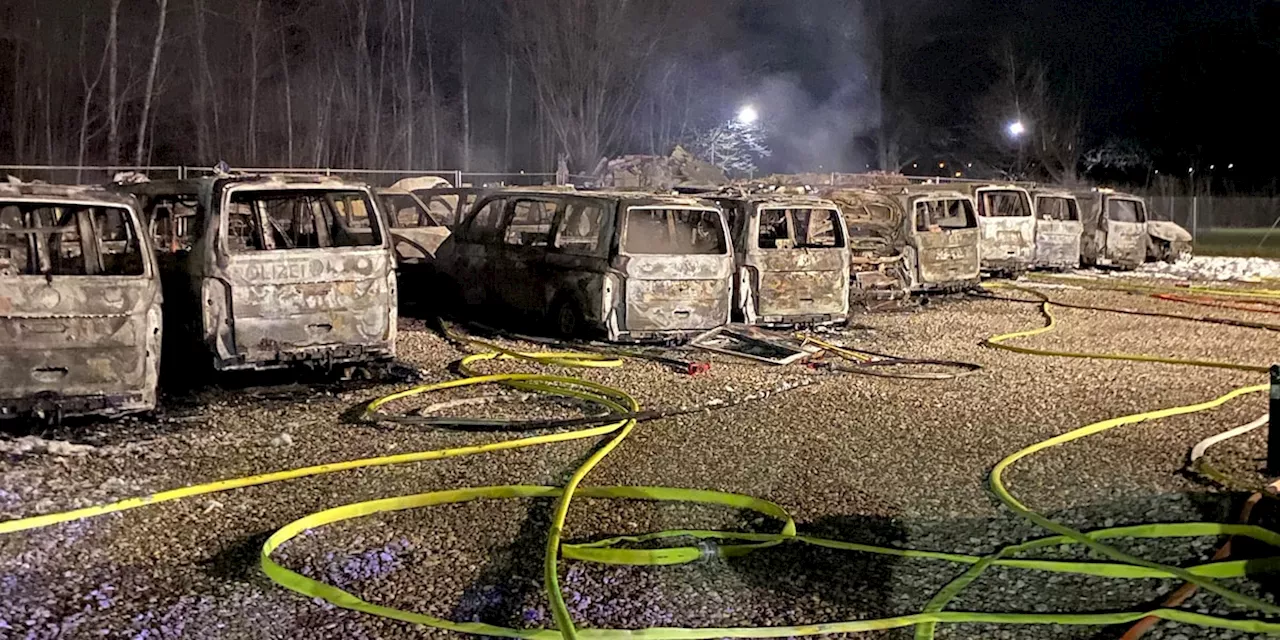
877	266
622	265
1167	240
448	204
266	271
1006	219
80	304
1115	229
940	231
416	232
792	258
1058	229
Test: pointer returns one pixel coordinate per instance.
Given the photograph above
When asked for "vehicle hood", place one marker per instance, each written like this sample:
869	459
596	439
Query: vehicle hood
1169	231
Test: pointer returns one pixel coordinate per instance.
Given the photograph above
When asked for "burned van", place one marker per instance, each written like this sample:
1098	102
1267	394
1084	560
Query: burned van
1167	241
80	304
791	256
877	266
621	265
1058	229
1006	219
265	271
1115	229
940	230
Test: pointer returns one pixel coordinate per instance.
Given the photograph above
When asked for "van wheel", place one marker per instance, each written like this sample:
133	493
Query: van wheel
566	319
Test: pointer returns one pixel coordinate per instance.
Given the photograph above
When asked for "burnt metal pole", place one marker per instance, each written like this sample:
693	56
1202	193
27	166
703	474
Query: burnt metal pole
1273	433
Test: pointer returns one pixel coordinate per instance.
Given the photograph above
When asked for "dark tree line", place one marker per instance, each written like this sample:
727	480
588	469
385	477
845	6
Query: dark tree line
481	85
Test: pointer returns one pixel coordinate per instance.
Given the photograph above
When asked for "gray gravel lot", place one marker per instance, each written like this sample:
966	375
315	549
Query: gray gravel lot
894	462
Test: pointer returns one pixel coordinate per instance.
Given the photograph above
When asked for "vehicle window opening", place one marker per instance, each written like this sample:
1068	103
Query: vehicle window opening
1061	209
530	224
53	240
484	224
175	222
799	228
674	231
1003	204
300	219
1123	210
580	231
444	207
405	212
936	215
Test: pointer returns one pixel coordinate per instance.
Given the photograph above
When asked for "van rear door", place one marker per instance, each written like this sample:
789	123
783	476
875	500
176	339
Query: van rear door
1058	232
79	307
1126	225
308	273
678	268
802	262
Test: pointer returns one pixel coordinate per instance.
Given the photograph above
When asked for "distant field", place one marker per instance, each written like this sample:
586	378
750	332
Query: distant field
1238	242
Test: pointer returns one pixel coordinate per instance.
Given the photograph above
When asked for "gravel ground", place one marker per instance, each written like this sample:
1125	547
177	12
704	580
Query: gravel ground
894	462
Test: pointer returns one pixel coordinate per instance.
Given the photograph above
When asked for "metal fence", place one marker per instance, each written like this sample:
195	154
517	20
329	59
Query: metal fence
1212	211
59	174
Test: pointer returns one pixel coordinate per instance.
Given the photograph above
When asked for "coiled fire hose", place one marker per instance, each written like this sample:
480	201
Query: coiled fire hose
730	543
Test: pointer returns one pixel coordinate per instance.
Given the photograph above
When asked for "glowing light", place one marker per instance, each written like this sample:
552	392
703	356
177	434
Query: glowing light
1211	167
748	115
913	165
1231	165
957	174
1016	128
970	165
1191	169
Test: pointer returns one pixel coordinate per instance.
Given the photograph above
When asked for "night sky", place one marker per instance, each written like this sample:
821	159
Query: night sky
1186	82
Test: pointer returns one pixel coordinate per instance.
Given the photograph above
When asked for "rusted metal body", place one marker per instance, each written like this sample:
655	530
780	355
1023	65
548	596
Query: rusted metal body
80	304
791	257
267	271
940	237
877	262
622	265
1115	229
1058	229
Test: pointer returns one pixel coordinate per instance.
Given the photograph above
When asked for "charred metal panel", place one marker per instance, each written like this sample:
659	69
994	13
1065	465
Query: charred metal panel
675	293
78	344
947	259
1126	244
312	302
1058	243
1007	244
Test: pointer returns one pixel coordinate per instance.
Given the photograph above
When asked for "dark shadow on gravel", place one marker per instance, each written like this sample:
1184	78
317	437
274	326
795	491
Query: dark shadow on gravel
238	561
801	582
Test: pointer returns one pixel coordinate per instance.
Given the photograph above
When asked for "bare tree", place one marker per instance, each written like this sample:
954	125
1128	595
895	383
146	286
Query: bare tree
89	87
151	81
113	94
583	57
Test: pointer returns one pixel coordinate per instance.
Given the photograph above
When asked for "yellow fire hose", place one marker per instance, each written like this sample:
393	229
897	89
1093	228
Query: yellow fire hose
610	551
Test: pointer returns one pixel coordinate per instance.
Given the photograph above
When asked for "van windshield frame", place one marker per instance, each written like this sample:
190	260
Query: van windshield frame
328	205
657	230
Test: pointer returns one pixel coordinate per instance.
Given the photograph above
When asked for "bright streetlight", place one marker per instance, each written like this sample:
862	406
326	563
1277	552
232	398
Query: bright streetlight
748	115
1016	128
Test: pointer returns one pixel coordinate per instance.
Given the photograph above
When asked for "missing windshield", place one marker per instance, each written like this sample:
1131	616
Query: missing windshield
936	215
1123	210
68	240
1004	204
1061	209
799	229
300	219
674	231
